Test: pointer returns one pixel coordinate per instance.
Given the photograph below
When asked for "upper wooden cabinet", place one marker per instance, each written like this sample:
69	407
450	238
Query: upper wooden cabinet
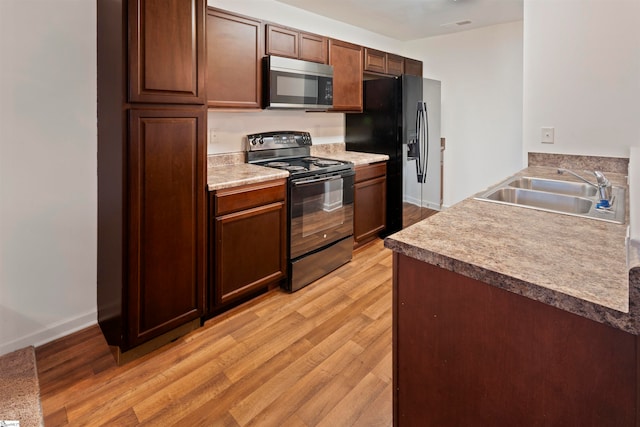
395	64
382	62
165	46
346	59
375	60
290	43
413	67
234	55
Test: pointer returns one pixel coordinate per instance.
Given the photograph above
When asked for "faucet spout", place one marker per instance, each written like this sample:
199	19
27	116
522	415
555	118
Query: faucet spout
603	185
562	171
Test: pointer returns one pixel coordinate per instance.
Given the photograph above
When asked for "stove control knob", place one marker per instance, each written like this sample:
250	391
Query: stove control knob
261	140
252	141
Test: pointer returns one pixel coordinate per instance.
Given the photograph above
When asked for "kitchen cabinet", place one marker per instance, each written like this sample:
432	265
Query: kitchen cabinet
375	60
166	50
234	60
382	62
291	43
469	353
247	238
347	62
395	65
369	202
151	263
167	214
413	67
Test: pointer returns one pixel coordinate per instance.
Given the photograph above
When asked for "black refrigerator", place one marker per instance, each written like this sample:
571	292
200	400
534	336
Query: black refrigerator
401	118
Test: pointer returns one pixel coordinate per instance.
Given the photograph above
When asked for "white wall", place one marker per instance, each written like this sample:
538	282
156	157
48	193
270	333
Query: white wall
47	169
582	76
481	74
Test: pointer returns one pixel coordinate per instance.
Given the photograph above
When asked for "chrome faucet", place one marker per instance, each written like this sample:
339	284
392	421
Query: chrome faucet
603	185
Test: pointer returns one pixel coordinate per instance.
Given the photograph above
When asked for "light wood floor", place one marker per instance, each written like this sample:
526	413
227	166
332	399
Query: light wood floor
412	213
320	356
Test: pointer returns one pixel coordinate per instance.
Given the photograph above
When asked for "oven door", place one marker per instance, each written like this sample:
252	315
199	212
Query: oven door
321	212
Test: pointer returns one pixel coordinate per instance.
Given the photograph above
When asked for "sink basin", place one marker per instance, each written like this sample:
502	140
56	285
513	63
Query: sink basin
557	196
543	200
555	186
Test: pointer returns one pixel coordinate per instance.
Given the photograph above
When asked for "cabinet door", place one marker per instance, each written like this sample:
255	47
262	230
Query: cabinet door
346	59
167	214
413	67
375	60
250	251
369	202
313	48
233	60
282	42
395	65
166	51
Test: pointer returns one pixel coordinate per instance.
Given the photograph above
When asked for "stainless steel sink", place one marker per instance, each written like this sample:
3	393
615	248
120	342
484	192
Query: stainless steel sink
542	200
550	195
555	186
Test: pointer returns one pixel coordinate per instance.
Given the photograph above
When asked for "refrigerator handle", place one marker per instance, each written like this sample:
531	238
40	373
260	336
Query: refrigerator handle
422	128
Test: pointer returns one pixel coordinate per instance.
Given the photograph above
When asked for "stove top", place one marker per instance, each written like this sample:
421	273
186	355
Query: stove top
290	151
306	166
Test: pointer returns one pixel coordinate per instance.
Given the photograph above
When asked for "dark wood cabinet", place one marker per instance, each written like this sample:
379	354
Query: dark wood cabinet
469	353
291	43
247	239
395	65
234	55
152	121
379	62
375	60
166	221
166	46
346	59
369	202
413	67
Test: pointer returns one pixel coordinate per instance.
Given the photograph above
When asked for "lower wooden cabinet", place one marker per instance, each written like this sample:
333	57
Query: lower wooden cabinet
247	241
369	202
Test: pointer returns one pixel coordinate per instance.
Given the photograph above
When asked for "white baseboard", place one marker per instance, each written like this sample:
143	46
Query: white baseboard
51	332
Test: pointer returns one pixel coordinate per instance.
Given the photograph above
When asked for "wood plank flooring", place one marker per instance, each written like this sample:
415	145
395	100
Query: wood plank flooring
413	213
317	357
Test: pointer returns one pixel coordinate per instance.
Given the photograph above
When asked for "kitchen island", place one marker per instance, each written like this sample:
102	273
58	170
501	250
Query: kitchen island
513	316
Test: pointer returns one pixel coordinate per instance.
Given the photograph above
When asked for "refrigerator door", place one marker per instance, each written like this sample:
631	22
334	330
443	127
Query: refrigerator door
421	155
378	129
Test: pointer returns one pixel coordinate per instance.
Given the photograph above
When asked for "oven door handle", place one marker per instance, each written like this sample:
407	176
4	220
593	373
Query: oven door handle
304	181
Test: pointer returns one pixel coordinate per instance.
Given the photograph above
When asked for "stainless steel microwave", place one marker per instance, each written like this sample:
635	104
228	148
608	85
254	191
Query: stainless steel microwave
295	84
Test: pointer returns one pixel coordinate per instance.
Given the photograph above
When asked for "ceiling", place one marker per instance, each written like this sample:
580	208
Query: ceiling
415	19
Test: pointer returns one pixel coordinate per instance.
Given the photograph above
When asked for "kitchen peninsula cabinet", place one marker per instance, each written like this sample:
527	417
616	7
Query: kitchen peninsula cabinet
369	202
151	266
247	239
347	62
291	43
234	55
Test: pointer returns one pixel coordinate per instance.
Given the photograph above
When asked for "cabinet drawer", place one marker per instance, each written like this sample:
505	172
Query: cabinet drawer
370	171
249	196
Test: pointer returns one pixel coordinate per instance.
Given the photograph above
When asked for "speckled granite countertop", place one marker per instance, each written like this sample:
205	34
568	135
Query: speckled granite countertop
234	175
337	152
230	170
575	264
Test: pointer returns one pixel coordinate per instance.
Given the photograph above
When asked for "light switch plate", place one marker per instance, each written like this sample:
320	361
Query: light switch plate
547	135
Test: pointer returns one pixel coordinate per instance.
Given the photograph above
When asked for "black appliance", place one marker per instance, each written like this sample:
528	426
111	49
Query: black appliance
395	121
295	84
319	204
